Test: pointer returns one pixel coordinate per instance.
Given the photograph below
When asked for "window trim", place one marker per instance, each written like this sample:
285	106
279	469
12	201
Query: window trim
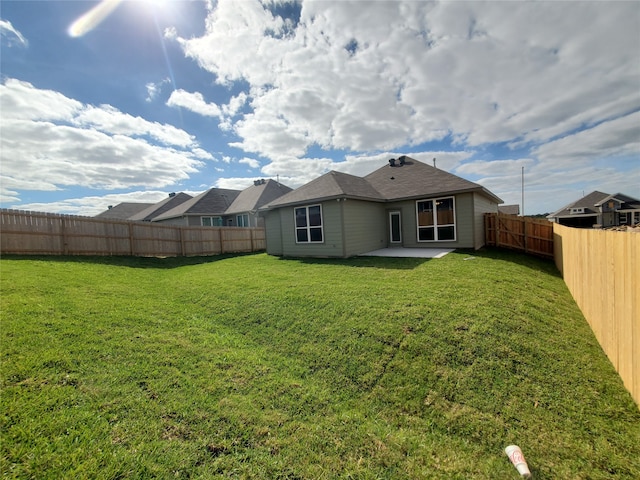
240	219
211	219
435	221
308	227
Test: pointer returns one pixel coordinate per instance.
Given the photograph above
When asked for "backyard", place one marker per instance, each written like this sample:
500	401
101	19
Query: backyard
259	367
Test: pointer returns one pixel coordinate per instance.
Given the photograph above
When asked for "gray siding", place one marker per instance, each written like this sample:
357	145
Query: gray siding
332	246
364	226
352	227
273	232
481	205
464	223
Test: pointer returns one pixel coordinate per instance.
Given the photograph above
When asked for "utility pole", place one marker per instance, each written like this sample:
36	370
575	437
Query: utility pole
522	213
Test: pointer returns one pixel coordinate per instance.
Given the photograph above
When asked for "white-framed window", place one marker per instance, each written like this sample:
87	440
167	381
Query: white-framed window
308	221
211	221
436	219
242	220
577	210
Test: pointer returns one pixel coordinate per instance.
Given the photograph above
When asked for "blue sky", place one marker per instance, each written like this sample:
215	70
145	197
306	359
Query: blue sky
168	95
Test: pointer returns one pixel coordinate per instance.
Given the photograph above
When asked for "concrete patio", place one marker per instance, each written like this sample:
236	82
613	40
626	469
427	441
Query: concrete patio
400	252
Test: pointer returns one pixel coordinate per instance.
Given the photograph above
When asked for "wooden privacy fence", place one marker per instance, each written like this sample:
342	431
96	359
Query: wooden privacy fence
526	234
602	271
51	234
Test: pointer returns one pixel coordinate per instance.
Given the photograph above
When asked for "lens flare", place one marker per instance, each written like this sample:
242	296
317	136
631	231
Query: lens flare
92	18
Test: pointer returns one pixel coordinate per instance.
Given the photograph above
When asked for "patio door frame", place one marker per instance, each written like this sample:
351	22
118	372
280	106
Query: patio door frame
396	216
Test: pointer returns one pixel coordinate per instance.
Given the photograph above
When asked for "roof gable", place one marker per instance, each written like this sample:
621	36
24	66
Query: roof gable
330	185
409	178
172	201
588	203
259	194
214	201
123	210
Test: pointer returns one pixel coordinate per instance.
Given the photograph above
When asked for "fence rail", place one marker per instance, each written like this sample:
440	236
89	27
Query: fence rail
32	233
602	271
525	234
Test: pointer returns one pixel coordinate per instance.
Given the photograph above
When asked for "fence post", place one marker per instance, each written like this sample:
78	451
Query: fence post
131	249
182	245
65	245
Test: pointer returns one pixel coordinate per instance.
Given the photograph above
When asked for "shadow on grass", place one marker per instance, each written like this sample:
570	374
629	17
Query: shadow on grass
531	261
393	263
128	261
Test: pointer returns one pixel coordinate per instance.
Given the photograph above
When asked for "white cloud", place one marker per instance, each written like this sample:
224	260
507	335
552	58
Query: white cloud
194	102
380	75
252	162
11	36
62	142
93	205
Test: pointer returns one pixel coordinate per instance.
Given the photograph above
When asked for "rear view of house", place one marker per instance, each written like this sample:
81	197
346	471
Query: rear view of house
404	203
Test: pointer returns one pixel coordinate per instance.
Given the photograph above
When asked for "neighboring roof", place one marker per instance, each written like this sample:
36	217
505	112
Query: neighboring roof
626	202
330	185
214	201
509	209
588	202
259	194
172	201
596	199
123	211
408	179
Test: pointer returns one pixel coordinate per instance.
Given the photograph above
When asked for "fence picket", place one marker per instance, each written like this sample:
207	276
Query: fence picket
52	234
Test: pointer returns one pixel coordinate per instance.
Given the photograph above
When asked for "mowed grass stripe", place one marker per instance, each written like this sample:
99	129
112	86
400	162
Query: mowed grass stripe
260	367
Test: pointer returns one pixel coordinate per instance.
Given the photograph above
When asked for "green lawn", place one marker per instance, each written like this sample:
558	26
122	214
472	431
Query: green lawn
259	367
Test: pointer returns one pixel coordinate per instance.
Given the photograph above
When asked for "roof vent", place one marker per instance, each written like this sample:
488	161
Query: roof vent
392	162
402	159
110	207
172	194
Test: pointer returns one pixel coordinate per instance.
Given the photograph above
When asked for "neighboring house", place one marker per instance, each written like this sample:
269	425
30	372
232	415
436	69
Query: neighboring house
123	211
172	201
207	209
243	212
599	209
509	209
405	203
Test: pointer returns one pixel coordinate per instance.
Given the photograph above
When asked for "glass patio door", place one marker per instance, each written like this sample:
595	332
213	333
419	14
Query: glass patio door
395	228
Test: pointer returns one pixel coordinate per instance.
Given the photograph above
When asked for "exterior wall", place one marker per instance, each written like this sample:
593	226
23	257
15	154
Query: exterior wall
465	223
365	226
177	221
352	227
273	232
332	246
481	205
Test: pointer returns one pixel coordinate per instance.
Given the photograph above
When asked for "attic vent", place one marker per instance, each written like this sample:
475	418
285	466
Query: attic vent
577	210
402	159
262	181
110	207
172	194
392	162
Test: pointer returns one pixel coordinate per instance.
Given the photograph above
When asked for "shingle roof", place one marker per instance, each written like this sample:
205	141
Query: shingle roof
214	201
587	202
416	179
150	213
330	185
123	210
259	194
412	179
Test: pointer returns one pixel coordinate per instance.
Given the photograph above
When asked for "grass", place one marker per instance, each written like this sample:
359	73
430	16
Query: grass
259	367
